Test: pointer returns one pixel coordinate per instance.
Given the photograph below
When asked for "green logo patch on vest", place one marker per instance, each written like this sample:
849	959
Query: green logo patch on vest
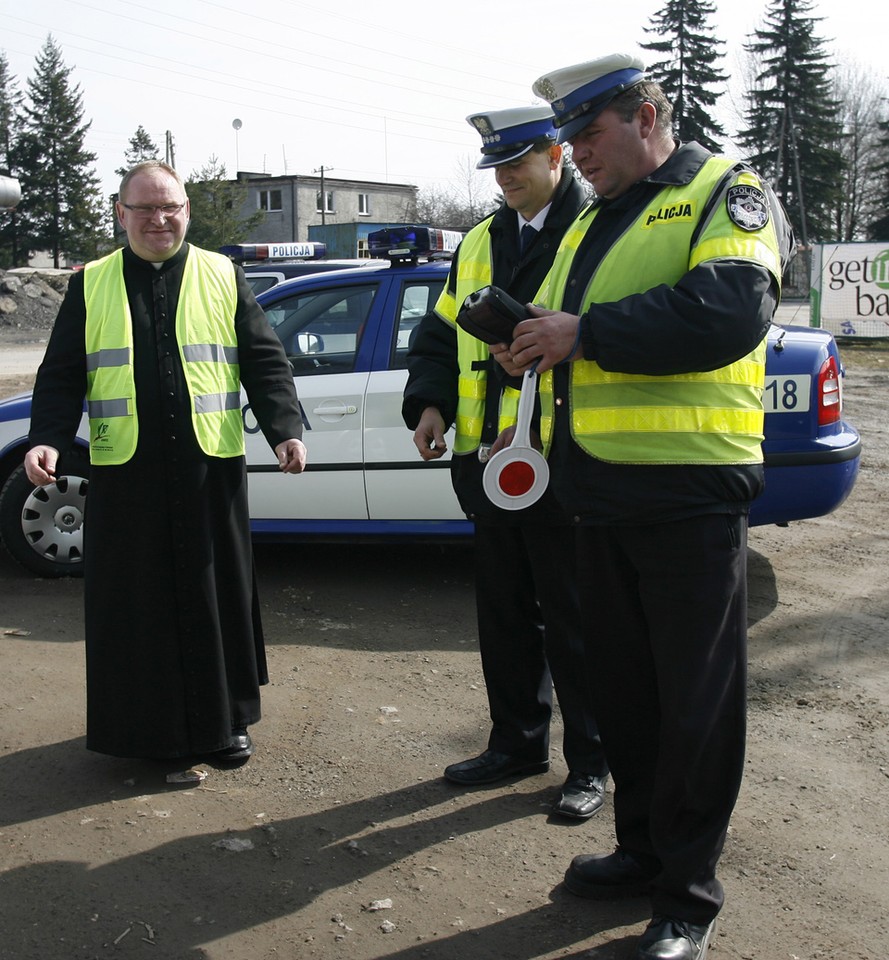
678	212
102	439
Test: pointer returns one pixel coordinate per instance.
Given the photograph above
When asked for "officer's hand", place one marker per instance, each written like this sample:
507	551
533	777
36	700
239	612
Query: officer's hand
291	456
504	439
40	465
429	435
501	353
552	336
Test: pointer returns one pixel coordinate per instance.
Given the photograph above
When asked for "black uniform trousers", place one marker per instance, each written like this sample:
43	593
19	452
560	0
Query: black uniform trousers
665	612
531	638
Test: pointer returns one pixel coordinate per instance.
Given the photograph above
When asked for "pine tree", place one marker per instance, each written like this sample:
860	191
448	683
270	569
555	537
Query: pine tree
688	73
793	120
10	117
141	147
215	207
61	206
10	106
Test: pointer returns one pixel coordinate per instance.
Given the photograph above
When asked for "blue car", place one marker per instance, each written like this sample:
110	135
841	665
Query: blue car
347	335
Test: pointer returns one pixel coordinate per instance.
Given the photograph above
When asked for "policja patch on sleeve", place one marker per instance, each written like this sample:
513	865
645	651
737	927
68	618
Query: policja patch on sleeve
747	206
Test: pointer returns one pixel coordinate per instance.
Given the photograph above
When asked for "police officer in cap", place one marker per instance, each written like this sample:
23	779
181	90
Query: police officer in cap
526	591
650	342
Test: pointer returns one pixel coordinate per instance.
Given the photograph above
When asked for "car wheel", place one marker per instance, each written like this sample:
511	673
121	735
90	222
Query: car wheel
42	527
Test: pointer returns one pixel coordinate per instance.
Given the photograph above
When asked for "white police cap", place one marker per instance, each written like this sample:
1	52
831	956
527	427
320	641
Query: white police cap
579	93
510	134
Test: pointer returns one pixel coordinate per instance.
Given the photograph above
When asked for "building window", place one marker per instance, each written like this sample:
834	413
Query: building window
363	204
328	202
270	200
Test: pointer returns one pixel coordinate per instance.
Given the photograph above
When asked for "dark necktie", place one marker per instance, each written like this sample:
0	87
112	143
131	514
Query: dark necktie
528	235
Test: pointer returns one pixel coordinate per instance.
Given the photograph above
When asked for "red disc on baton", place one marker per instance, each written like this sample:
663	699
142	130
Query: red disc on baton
516	478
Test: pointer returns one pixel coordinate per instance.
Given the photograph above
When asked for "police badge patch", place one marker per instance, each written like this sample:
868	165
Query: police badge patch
747	207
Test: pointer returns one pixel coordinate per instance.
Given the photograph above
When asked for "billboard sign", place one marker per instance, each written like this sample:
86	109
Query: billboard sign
850	289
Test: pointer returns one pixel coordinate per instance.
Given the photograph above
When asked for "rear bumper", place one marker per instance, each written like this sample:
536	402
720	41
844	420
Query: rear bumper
800	484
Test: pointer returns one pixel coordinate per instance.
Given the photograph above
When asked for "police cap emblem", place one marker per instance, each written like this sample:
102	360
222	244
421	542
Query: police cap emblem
748	207
483	125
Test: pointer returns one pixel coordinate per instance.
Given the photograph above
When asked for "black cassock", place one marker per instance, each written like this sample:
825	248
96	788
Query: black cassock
174	645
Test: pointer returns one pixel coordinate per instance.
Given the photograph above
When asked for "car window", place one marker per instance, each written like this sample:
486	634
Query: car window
321	330
260	282
417	299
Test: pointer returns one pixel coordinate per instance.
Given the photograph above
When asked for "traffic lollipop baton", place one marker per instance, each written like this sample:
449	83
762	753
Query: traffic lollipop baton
516	476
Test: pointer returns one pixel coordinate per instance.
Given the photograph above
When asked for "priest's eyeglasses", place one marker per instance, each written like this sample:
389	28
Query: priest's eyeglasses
146	211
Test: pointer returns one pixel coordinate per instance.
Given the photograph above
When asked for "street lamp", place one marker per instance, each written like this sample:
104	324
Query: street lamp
236	126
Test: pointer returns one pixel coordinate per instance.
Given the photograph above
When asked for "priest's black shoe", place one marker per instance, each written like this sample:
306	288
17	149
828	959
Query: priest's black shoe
491	766
581	796
608	876
668	939
239	751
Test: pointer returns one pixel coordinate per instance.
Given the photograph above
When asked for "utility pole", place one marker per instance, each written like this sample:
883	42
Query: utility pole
170	157
799	179
322	171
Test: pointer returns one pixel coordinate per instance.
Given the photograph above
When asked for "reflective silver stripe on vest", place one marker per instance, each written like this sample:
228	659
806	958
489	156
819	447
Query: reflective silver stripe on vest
116	357
213	352
105	409
214	402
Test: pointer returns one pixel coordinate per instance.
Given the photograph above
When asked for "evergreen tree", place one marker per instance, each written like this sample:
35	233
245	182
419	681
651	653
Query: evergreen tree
793	119
10	118
141	147
216	207
10	107
688	73
62	209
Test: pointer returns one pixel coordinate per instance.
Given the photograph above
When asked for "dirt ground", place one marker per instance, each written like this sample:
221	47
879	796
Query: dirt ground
340	839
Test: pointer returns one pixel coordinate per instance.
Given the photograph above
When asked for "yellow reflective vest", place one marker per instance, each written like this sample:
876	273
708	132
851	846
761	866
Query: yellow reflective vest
713	417
474	271
205	332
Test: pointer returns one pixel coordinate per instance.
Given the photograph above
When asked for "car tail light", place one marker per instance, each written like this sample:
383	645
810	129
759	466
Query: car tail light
830	393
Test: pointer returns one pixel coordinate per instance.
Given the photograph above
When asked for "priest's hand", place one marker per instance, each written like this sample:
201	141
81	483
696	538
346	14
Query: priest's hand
40	465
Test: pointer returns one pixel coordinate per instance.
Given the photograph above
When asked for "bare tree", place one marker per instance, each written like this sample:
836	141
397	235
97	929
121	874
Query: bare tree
437	206
862	109
466	199
476	190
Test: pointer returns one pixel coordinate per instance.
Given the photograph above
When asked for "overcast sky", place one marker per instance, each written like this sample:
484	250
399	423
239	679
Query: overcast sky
368	90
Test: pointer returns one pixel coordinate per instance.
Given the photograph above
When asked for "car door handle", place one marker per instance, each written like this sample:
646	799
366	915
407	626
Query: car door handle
335	409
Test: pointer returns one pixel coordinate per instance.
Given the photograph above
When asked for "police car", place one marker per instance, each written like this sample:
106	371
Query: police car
267	264
347	335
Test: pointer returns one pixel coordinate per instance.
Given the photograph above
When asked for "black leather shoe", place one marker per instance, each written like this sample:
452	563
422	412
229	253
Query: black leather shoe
668	939
581	796
608	876
491	766
239	751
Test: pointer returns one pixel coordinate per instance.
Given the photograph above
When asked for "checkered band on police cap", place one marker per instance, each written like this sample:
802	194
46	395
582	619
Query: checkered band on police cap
510	134
579	93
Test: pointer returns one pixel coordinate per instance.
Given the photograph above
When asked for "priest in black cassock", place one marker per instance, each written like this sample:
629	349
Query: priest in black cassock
159	337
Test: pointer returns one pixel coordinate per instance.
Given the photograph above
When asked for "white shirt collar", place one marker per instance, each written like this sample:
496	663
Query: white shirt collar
538	221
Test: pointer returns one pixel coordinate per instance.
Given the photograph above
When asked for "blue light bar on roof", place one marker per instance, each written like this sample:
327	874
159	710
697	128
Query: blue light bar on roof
242	252
395	242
